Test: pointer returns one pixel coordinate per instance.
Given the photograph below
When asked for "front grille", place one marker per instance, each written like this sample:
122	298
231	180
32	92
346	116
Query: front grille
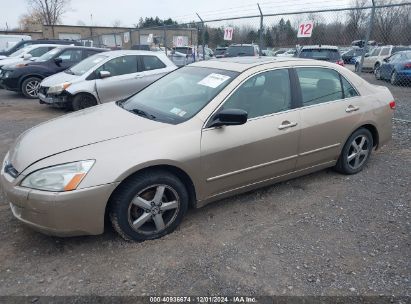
11	170
44	90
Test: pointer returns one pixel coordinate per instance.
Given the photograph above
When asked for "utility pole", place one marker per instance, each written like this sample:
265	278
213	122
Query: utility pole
367	37
261	31
202	35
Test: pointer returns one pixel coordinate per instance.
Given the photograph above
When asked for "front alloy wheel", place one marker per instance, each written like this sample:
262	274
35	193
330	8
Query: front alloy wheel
30	87
148	205
153	209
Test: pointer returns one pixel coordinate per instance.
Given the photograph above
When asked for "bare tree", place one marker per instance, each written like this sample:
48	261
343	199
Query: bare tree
116	23
386	20
356	18
29	22
50	11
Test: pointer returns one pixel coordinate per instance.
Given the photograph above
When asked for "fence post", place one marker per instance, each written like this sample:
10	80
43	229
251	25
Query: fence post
367	37
165	38
261	31
202	35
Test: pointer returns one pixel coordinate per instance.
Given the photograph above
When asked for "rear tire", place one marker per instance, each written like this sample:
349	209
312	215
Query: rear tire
148	205
82	101
356	152
30	87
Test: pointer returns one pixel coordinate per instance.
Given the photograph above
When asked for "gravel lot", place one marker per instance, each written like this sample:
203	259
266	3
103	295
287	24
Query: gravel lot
322	234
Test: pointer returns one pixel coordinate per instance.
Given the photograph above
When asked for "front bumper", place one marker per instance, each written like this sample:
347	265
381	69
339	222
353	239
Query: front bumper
9	83
72	213
54	100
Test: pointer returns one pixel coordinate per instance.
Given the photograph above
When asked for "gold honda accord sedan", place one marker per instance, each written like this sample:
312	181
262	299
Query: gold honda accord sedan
201	133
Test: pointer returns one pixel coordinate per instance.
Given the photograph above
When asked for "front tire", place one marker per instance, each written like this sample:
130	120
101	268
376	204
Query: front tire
377	73
356	152
148	205
30	87
394	78
82	101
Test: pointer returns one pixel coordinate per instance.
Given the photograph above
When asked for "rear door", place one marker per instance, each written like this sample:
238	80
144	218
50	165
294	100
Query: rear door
330	107
123	80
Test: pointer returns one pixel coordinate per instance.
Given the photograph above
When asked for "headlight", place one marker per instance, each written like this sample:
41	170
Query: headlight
58	178
6	74
58	88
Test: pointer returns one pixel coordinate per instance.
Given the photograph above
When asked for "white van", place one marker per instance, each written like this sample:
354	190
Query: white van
8	41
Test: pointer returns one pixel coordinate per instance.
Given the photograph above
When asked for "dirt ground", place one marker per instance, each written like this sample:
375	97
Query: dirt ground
322	234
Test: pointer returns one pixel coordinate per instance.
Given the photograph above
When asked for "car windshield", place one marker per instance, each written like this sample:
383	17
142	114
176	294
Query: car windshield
48	55
85	65
239	50
184	50
320	54
20	51
180	95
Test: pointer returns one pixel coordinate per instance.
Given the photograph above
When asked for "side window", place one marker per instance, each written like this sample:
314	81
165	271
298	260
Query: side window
39	51
349	90
319	85
120	65
385	51
71	55
263	94
375	52
152	63
88	53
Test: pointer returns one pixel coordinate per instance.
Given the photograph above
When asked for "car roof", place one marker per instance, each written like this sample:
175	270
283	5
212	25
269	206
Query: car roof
311	47
240	64
131	52
80	47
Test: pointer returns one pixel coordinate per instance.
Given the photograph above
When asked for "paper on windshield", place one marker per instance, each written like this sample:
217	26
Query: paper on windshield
213	80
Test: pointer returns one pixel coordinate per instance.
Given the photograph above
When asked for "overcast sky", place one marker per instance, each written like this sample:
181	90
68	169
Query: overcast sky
128	12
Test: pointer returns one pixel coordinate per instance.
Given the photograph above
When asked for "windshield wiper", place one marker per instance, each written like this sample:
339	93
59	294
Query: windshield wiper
143	114
68	71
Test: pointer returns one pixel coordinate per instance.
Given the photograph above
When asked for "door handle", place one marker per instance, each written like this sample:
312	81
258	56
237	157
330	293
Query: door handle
286	124
139	76
351	109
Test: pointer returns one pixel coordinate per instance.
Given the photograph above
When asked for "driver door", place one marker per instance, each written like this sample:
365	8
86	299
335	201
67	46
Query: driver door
264	147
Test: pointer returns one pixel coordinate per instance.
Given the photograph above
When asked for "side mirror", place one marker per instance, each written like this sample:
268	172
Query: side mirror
229	117
27	56
104	74
367	55
386	59
58	61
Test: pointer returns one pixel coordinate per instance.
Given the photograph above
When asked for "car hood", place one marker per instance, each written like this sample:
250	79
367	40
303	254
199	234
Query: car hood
7	61
58	78
75	130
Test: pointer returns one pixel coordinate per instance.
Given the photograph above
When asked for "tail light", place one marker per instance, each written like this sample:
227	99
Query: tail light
392	104
340	62
407	65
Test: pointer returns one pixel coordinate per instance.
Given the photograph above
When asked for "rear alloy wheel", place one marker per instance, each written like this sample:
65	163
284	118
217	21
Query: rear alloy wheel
30	87
148	206
83	101
394	78
356	152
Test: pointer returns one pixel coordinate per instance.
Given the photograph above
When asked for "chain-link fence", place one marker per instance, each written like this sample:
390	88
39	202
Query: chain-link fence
368	37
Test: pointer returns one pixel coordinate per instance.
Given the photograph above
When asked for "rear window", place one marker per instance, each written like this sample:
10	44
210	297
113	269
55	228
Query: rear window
321	54
184	50
219	52
399	49
407	55
234	51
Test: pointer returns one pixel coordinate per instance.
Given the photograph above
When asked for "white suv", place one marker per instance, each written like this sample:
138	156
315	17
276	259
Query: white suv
374	59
